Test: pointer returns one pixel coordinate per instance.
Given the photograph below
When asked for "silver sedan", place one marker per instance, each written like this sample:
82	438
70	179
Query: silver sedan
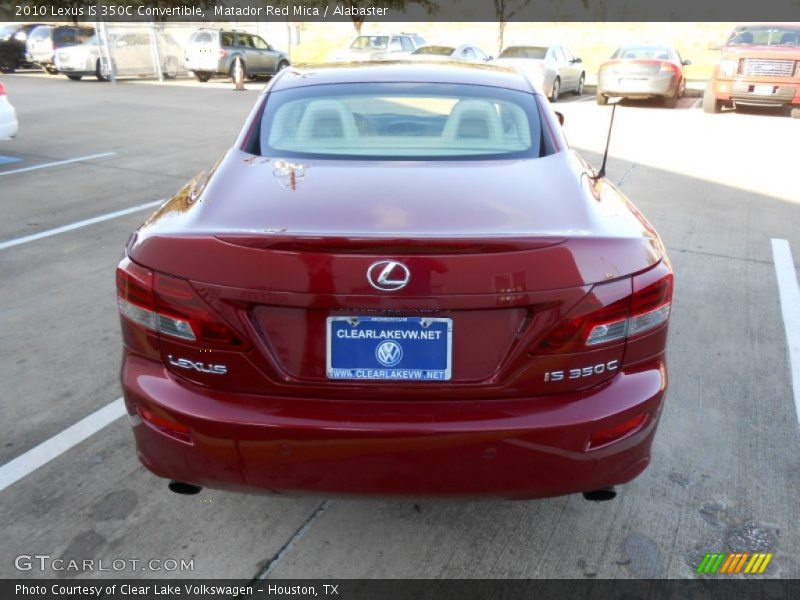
553	68
643	71
467	53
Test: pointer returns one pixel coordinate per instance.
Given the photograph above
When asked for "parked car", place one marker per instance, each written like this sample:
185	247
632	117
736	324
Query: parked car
8	116
643	71
399	280
466	52
45	40
379	47
131	54
12	46
214	52
759	66
553	68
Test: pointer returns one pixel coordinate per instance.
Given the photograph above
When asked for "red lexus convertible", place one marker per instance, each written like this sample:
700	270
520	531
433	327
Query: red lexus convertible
400	281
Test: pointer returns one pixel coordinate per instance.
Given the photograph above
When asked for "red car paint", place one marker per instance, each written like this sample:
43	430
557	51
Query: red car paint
528	257
752	71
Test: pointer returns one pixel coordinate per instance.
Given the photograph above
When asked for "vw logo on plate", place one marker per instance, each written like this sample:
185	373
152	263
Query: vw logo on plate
388	353
388	275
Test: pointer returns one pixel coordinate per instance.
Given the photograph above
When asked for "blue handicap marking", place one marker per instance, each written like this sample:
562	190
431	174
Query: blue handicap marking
7	160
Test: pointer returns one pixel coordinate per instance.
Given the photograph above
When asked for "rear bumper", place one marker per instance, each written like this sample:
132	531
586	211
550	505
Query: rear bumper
76	66
661	84
40	58
207	66
526	448
760	92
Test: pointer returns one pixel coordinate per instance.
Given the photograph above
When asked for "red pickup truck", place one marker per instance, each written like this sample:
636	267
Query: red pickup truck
759	66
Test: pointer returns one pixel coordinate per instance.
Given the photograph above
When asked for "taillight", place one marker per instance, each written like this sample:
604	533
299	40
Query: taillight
652	300
135	294
608	65
183	314
668	67
223	53
614	311
169	306
599	318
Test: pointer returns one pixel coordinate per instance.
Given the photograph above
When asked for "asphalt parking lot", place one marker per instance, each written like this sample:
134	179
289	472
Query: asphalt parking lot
725	475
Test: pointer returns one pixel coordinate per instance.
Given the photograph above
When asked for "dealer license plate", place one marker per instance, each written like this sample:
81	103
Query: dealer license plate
389	348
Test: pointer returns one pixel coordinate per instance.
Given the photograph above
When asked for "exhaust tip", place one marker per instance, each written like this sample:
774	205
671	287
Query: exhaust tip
185	489
602	495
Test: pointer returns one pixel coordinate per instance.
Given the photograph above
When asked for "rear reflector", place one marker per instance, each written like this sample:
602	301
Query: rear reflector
606	436
168	426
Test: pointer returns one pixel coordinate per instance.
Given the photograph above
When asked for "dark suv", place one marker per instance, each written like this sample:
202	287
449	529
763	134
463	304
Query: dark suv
214	52
12	46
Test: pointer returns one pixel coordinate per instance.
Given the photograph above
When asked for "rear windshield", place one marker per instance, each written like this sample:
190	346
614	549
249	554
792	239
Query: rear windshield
524	52
41	33
765	36
643	52
400	121
363	42
203	37
437	50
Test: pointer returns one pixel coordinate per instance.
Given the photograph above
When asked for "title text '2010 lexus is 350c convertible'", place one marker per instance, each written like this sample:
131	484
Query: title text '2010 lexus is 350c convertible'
400	281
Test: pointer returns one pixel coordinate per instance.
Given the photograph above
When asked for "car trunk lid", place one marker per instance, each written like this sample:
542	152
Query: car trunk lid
502	256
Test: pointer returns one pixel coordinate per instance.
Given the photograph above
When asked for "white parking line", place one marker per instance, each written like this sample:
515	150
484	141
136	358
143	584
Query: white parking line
56	163
789	293
85	223
27	463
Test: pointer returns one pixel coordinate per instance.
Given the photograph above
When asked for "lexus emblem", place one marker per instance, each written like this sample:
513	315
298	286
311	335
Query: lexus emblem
388	275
